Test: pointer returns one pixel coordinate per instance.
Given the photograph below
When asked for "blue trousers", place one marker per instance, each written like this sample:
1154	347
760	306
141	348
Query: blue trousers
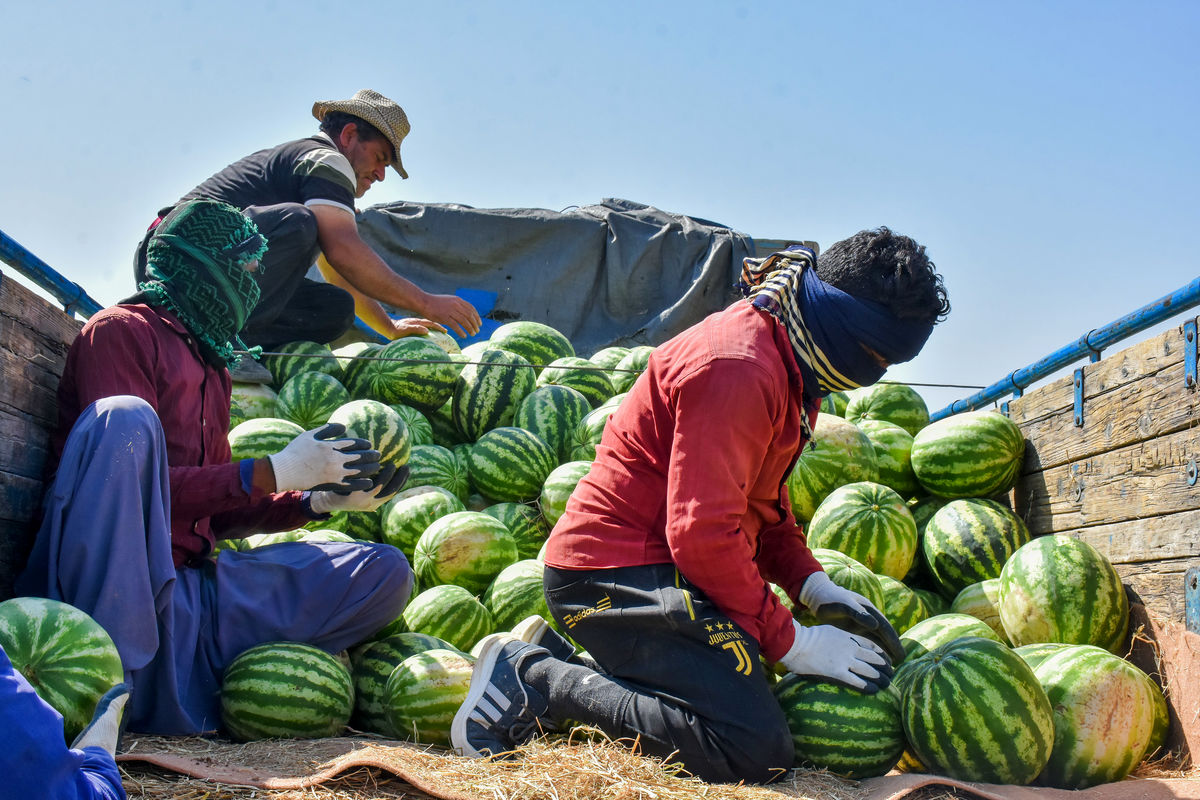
105	547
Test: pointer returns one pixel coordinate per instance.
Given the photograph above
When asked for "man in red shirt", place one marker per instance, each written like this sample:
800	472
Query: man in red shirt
660	567
144	485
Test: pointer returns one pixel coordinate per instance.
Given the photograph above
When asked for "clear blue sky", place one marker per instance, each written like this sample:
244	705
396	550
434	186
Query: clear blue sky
1045	152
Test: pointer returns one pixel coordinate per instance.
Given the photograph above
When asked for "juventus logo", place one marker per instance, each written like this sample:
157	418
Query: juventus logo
744	664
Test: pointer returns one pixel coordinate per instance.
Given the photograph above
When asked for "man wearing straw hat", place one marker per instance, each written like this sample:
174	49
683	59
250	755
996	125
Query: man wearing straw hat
301	196
661	568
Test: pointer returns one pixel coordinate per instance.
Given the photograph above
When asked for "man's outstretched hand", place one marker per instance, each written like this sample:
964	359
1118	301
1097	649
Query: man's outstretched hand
833	605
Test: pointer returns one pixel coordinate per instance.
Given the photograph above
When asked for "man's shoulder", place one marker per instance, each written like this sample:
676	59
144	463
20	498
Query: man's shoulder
317	157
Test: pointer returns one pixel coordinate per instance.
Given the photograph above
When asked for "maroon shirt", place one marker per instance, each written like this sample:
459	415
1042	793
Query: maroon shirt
692	471
146	352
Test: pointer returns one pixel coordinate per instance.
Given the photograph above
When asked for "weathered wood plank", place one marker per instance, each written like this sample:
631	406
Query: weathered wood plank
20	497
1143	480
24	444
1151	539
1159	584
15	543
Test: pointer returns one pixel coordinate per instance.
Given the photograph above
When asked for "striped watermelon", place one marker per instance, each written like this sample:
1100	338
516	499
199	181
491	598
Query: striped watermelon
308	398
1060	589
411	370
434	465
840	453
406	516
588	433
378	424
1035	654
559	485
848	732
424	692
250	401
420	431
526	523
868	522
896	403
467	548
517	593
257	540
580	374
982	600
1103	716
370	667
902	606
68	658
972	454
441	423
286	690
261	437
488	392
444	341
969	540
893	455
934	602
353	358
939	629
510	464
630	367
608	357
449	612
834	403
1000	730
292	358
536	342
553	412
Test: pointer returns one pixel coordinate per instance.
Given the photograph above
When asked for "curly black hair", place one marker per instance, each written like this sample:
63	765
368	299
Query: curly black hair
888	268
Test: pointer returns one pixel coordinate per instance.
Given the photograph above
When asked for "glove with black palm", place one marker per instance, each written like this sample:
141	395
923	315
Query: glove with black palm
834	605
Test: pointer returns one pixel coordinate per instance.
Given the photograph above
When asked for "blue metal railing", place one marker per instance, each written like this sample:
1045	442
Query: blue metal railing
72	296
1090	345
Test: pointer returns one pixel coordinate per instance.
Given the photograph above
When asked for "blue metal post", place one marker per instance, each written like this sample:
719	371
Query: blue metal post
74	299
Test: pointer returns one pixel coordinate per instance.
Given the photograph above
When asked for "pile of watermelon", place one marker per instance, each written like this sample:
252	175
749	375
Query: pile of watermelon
1013	669
496	436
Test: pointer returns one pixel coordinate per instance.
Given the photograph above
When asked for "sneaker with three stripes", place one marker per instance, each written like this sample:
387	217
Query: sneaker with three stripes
501	711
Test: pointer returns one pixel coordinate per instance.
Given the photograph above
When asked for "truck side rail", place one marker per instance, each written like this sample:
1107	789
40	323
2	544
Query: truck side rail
72	296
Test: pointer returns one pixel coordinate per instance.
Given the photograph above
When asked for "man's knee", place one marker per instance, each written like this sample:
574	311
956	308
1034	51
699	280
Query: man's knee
387	575
294	221
126	416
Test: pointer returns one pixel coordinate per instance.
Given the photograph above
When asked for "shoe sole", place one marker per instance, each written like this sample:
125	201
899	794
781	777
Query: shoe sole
489	652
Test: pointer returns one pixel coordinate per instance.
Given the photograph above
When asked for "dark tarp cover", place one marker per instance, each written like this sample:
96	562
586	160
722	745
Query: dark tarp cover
615	273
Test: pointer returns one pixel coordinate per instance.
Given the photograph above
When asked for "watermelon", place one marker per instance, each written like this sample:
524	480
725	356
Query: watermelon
982	601
969	540
286	690
939	629
370	667
424	692
1103	716
510	464
449	612
1034	654
308	398
353	358
257	540
261	437
588	433
630	367
999	730
488	392
1060	589
896	403
441	423
893	455
902	606
406	516
553	412
434	465
517	593
559	485
250	401
444	341
868	522
467	548
412	371
972	454
608	357
68	658
420	431
526	523
834	403
846	731
536	342
934	602
579	374
378	424
292	358
840	453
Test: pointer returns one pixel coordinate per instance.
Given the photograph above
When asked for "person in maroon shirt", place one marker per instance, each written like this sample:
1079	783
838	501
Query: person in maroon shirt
143	486
661	567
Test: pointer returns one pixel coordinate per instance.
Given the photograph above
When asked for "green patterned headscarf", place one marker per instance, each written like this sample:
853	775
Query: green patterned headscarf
196	268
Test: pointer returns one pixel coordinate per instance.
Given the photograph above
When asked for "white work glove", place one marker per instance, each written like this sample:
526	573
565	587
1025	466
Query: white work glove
390	480
833	605
325	459
105	727
829	652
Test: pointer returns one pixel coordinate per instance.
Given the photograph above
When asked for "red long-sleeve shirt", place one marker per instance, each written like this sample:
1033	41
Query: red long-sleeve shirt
692	470
146	352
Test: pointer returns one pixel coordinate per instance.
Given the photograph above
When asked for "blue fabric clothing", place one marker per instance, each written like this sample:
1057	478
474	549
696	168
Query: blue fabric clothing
34	758
104	547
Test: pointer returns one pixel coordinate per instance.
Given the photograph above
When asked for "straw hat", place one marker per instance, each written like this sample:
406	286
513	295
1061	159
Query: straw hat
376	109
